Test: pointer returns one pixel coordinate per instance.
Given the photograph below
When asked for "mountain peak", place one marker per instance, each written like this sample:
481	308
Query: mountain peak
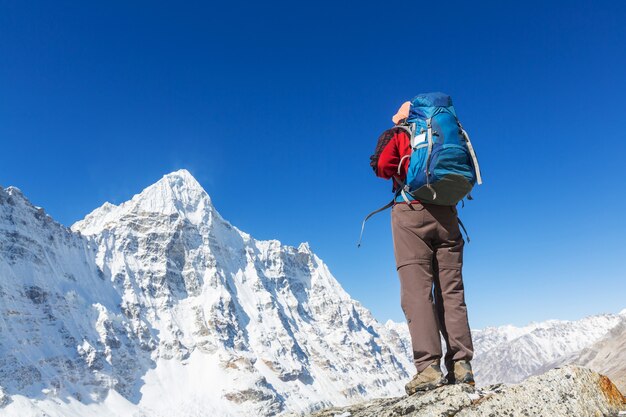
183	178
13	189
178	192
175	193
15	192
305	247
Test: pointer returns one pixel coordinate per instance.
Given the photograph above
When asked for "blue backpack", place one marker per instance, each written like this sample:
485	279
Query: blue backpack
443	167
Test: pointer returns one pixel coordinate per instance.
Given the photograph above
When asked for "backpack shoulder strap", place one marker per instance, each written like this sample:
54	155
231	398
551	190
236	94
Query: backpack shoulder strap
383	208
399	190
470	148
407	129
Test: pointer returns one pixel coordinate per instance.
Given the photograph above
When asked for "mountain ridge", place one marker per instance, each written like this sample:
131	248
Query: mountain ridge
188	297
510	354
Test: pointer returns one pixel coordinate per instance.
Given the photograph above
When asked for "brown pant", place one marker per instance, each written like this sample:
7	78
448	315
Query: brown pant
429	256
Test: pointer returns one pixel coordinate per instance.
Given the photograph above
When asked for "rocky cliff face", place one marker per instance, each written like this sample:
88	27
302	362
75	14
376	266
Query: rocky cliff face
62	331
566	392
159	306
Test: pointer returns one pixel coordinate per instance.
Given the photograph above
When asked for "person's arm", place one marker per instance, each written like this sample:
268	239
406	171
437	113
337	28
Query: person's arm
392	146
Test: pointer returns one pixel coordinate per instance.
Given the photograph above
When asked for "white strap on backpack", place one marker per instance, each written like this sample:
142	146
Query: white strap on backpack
479	178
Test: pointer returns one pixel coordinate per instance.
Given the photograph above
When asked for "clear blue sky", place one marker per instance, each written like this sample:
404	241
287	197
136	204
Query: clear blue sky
276	107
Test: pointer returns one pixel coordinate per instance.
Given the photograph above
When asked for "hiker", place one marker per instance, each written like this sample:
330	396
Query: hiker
428	244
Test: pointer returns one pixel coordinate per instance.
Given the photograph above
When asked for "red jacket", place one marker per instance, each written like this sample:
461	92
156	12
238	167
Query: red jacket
393	145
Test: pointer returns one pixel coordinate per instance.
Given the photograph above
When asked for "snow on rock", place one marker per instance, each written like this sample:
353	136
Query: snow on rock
159	306
48	283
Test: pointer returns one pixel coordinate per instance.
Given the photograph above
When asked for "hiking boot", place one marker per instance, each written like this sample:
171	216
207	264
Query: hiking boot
429	378
462	373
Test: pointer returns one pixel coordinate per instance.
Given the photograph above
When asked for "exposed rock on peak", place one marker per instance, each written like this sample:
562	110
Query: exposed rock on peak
565	392
14	190
18	214
304	247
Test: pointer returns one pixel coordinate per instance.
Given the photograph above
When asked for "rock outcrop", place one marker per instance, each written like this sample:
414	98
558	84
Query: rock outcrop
608	356
565	392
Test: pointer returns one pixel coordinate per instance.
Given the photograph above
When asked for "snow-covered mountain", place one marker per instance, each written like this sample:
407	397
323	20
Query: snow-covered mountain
160	307
510	354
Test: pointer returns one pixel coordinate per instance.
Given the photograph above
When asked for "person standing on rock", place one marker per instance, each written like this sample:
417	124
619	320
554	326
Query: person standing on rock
428	248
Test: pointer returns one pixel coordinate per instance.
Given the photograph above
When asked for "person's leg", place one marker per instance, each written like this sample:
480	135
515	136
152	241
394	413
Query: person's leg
417	303
414	262
454	308
449	255
440	309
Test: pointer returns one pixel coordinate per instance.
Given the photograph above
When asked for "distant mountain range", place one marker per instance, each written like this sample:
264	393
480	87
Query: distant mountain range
510	354
160	307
